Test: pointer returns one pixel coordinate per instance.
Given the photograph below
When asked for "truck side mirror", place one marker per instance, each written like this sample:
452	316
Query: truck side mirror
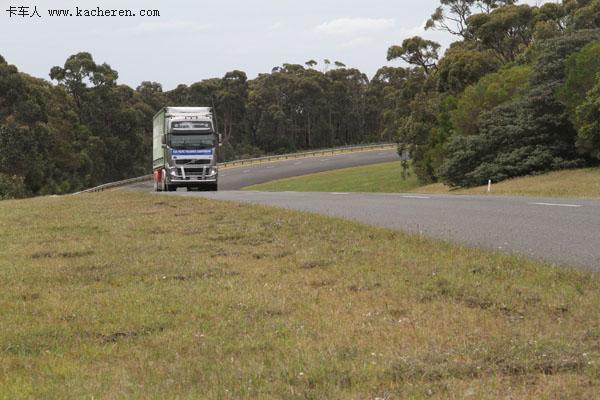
220	140
163	141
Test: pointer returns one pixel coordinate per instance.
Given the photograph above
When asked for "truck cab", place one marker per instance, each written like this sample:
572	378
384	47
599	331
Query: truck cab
185	149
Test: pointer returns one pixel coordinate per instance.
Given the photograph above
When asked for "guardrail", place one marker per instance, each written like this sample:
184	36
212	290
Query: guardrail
251	161
312	153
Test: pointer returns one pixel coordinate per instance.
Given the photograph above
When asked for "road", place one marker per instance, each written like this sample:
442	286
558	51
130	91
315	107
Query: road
563	232
239	177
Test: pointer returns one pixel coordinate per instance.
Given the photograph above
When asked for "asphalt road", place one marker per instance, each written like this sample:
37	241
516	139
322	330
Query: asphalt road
239	177
563	232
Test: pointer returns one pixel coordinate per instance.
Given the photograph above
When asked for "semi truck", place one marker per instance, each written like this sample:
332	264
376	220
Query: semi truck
185	147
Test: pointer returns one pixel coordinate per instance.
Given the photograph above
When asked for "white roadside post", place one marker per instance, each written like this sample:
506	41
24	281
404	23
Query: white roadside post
489	186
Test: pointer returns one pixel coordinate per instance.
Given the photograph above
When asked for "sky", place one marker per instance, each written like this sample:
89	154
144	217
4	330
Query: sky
195	40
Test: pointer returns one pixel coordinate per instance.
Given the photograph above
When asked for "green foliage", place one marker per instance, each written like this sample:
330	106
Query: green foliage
463	66
588	121
452	15
416	51
588	16
516	139
530	135
490	92
11	187
507	31
581	70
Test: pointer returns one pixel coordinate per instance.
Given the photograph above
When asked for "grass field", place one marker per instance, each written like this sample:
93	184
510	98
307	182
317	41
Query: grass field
383	178
580	183
133	295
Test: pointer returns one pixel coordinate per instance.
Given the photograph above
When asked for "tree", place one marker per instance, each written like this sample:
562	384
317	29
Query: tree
588	16
231	102
310	63
463	66
588	122
79	71
582	68
452	15
507	31
491	91
416	51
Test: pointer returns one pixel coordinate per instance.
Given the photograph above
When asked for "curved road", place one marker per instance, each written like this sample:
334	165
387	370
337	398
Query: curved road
560	231
238	177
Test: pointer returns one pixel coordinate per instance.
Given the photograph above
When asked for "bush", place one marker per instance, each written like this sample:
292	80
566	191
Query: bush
11	187
491	91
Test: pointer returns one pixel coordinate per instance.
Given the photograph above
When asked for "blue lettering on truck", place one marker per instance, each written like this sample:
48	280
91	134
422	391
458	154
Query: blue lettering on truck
208	152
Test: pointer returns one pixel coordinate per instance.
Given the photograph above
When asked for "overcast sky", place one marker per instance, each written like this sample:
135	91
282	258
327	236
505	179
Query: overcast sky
195	40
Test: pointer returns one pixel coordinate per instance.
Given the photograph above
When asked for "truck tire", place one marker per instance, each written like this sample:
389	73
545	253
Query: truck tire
164	186
213	187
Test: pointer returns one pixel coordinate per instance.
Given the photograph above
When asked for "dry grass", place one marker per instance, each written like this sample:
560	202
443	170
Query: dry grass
576	183
143	296
385	178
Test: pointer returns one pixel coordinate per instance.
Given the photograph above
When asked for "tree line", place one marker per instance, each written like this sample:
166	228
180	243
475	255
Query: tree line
517	93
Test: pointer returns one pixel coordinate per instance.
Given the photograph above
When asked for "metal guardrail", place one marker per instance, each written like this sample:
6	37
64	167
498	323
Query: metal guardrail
312	153
252	161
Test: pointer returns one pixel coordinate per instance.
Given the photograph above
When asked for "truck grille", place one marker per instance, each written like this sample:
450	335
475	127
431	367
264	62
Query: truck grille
192	162
194	171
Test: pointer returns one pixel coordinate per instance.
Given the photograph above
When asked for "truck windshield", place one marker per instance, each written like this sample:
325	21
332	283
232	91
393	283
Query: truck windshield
189	127
192	142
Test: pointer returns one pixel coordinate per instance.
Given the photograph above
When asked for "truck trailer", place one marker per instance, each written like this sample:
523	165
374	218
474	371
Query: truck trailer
185	147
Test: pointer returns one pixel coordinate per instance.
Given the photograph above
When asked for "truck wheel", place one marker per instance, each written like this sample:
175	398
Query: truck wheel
172	188
163	181
213	187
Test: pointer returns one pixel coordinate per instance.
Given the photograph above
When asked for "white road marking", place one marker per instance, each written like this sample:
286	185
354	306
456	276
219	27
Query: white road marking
556	205
339	194
416	197
270	167
245	171
298	163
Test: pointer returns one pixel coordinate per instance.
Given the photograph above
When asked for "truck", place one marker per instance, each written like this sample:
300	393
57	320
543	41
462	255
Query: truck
185	148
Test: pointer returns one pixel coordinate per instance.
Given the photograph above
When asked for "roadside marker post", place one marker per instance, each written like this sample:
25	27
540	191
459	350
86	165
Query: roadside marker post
489	186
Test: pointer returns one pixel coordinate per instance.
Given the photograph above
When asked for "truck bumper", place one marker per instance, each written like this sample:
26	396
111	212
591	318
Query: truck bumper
191	180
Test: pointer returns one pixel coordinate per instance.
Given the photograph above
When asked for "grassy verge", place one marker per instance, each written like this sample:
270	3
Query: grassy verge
582	183
131	295
382	178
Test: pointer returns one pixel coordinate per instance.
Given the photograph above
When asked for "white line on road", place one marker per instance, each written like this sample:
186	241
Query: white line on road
270	167
298	163
416	197
245	171
339	193
556	205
